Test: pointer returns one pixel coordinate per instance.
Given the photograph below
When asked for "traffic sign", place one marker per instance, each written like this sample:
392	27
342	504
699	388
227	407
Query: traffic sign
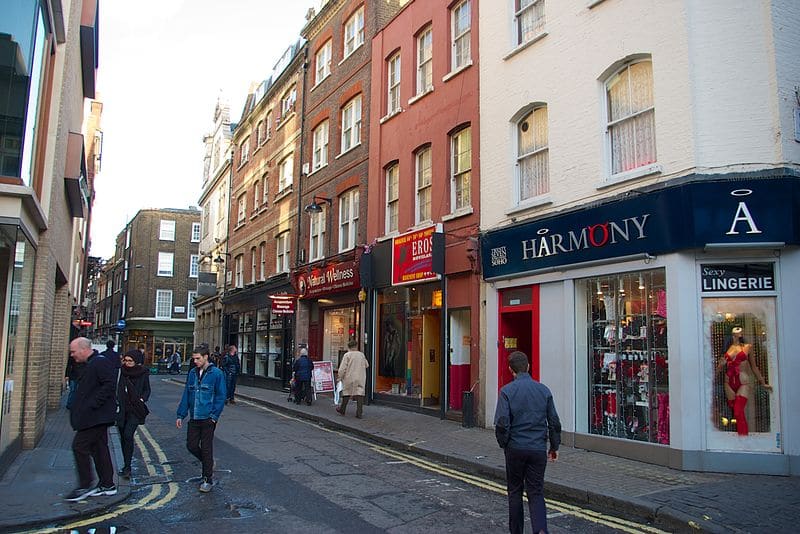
121	324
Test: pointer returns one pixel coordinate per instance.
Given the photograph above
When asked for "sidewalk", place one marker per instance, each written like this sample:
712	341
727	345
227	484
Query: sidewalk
673	500
32	489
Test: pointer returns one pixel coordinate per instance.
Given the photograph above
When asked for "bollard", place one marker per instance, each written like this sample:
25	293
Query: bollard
467	409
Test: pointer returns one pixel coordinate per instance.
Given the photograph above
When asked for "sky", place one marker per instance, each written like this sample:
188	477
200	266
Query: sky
162	66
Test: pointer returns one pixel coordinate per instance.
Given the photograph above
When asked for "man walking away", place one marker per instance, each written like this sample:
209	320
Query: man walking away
524	421
93	411
111	354
303	368
232	366
72	376
353	376
203	400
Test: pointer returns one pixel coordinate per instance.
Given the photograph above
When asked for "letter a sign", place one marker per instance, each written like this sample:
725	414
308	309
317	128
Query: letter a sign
743	215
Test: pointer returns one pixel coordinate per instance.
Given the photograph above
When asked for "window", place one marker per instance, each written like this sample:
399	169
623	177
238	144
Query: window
323	61
165	260
163	304
460	181
528	19
354	32
319	157
286	168
461	32
287	102
262	275
533	172
241	213
253	264
256	195
348	220
259	134
265	190
425	62
268	126
424	178
392	198
244	151
393	83
239	271
351	124
190	311
282	253
631	129
317	235
167	231
194	265
196	232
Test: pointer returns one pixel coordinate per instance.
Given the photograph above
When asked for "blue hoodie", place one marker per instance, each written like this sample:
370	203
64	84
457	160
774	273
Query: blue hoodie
204	399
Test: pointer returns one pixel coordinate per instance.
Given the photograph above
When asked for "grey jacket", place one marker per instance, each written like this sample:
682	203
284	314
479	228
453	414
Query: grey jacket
526	418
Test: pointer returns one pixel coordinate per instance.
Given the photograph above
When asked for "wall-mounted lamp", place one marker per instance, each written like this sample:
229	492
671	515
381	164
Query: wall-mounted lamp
315	207
219	260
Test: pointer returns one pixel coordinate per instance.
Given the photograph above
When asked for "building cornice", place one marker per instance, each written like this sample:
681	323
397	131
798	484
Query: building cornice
320	21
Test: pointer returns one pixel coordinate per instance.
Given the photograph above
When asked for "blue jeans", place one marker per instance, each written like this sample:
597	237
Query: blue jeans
230	383
525	470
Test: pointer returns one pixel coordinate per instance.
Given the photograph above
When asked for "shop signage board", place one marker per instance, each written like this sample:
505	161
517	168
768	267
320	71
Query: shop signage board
333	278
323	376
282	304
412	257
693	215
739	278
206	284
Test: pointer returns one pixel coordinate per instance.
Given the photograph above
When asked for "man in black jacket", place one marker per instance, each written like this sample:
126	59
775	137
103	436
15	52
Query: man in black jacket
111	354
93	410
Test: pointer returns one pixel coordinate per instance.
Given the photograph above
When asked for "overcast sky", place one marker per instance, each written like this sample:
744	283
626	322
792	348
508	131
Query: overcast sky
162	66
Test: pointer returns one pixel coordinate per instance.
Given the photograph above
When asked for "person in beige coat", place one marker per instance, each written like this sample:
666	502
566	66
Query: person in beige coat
353	376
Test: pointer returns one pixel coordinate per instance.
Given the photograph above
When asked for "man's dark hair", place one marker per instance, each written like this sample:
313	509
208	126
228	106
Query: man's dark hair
216	349
352	344
110	344
518	362
201	349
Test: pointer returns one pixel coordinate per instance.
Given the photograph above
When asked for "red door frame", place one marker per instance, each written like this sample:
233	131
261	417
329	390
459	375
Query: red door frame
533	307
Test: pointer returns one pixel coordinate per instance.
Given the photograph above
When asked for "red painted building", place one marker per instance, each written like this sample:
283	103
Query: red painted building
424	177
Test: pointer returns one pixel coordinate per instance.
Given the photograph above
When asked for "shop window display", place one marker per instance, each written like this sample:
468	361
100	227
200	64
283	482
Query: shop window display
628	354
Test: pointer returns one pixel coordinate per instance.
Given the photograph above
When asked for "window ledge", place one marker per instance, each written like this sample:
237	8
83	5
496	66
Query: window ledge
282	194
351	53
595	3
313	172
284	120
535	202
254	214
453	73
639	172
524	45
240	224
461	212
319	82
421	225
355	146
395	113
387	237
419	96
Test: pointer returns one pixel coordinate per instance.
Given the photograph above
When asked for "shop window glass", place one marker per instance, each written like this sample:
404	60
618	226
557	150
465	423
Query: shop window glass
628	356
340	328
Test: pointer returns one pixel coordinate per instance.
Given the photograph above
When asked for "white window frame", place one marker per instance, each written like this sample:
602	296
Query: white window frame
239	271
191	313
348	219
166	264
538	152
163	296
319	155
393	84
265	190
528	14
425	61
322	62
316	235
241	213
392	184
287	102
244	151
286	173
166	230
196	232
351	124
256	195
262	248
194	265
424	183
259	137
253	264
458	37
353	33
268	126
282	249
459	174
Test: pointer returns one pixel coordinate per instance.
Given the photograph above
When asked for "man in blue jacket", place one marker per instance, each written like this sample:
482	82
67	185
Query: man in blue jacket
203	400
93	410
524	422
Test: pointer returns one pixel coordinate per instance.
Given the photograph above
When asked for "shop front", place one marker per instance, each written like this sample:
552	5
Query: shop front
158	340
659	334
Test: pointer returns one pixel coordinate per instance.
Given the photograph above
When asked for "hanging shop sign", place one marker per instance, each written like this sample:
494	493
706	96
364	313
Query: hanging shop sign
412	257
282	304
333	278
739	278
206	284
694	215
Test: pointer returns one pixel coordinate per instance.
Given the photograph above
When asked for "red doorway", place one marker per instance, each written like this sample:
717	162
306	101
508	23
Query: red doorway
518	329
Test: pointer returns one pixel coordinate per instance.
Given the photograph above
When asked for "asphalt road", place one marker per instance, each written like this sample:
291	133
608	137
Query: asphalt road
276	473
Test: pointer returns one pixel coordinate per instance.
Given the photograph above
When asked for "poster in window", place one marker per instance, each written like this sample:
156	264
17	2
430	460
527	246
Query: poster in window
392	359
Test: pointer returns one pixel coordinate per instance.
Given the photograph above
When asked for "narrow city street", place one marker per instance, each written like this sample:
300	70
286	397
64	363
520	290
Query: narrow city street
276	473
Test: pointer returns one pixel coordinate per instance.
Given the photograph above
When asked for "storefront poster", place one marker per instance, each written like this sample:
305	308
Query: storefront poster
323	376
412	256
282	305
392	359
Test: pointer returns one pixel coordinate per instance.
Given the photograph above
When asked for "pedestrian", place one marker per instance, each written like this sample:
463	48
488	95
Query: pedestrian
303	368
203	400
111	354
353	376
133	391
72	376
139	358
525	421
175	363
215	358
94	409
232	367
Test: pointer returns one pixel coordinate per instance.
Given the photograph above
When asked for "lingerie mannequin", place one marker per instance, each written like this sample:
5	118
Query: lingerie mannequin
740	369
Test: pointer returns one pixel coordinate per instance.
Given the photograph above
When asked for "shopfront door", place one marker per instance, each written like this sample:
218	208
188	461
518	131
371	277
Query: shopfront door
518	330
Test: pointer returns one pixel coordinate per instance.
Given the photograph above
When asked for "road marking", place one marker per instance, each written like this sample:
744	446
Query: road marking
618	523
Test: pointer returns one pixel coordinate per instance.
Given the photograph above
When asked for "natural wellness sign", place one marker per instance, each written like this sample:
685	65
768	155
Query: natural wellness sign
412	257
693	215
332	278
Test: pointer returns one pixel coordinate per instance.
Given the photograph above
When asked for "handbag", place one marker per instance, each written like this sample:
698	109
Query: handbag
138	406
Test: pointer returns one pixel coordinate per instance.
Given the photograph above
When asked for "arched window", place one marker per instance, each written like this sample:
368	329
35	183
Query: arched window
533	168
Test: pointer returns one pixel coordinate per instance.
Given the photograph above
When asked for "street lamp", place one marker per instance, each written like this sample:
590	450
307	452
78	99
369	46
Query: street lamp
315	207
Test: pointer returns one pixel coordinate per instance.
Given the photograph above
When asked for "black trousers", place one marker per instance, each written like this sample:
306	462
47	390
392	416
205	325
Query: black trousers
200	442
90	445
525	470
126	432
304	392
359	404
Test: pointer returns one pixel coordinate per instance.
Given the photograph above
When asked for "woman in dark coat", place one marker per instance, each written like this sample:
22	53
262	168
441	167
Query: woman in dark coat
133	390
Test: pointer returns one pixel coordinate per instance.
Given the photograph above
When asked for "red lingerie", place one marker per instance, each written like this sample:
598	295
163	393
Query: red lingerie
732	369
